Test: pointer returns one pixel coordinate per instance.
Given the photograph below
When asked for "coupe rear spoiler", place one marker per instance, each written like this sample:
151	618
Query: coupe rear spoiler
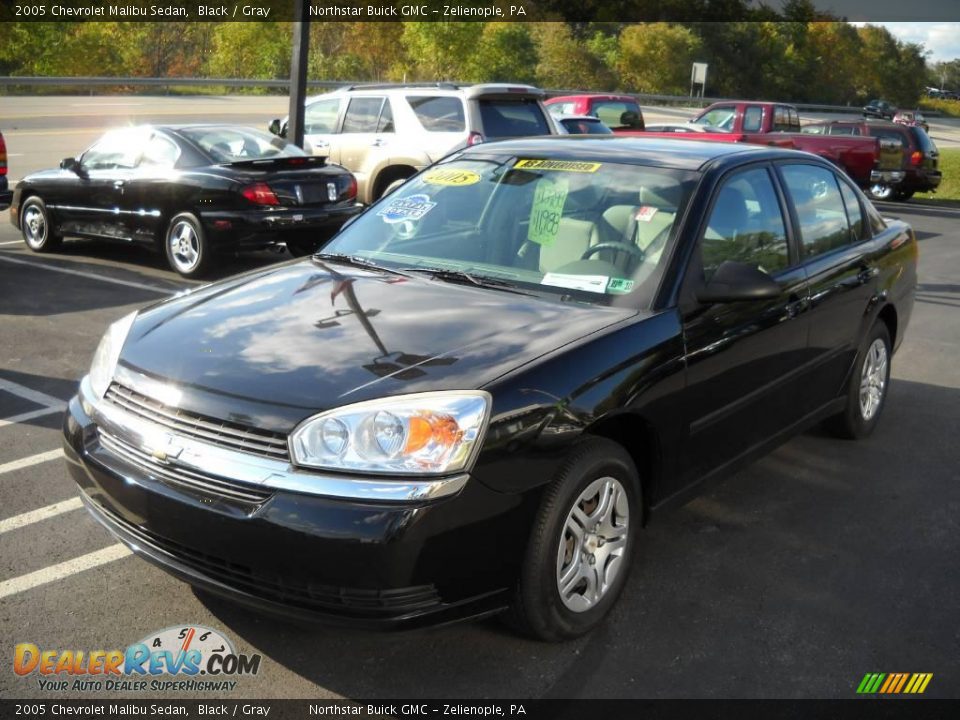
281	163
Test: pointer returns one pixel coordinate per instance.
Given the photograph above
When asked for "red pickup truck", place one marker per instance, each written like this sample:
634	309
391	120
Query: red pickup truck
867	160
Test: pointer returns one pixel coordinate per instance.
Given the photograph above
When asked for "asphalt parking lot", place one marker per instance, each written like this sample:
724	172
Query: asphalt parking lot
822	562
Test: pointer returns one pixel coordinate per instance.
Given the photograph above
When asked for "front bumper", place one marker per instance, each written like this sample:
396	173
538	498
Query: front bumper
376	565
248	229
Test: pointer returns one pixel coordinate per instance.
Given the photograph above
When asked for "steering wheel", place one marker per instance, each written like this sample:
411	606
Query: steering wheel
611	245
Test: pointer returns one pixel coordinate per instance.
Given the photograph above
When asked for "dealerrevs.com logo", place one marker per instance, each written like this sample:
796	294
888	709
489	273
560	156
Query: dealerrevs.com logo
183	657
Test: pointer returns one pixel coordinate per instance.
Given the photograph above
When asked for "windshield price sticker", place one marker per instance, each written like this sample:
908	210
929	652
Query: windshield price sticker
645	213
619	286
451	178
565	165
548	201
408	208
589	283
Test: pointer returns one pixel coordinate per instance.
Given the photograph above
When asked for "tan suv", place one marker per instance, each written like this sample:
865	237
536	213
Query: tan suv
384	134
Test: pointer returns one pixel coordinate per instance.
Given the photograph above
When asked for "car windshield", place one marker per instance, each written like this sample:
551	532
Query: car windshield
581	230
230	144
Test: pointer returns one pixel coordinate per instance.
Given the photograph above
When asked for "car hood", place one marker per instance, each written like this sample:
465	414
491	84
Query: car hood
277	345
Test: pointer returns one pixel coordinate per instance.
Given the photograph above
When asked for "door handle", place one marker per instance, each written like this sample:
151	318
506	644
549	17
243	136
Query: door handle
379	142
118	183
795	305
866	274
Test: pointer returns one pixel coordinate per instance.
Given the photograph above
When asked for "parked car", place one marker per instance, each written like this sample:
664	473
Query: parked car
911	117
476	395
880	109
384	134
866	160
5	193
682	128
191	191
920	158
618	112
582	125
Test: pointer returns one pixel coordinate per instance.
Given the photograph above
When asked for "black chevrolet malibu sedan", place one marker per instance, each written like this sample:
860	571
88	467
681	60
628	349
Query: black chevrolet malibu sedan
488	382
190	191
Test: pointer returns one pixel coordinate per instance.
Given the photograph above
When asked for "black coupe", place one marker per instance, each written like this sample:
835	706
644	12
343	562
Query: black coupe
478	393
190	191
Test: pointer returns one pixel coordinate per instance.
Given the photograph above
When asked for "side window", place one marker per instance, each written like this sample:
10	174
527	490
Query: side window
819	206
721	117
746	225
753	119
781	120
565	108
363	115
385	124
794	119
118	149
320	118
444	113
159	153
854	213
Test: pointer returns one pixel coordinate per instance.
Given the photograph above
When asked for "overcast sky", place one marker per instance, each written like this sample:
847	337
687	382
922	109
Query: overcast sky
942	39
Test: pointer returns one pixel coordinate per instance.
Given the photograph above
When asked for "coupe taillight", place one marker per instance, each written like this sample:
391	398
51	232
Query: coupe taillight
260	194
351	188
916	158
3	157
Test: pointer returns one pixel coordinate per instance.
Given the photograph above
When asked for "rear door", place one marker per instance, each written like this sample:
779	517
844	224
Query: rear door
836	254
365	138
147	190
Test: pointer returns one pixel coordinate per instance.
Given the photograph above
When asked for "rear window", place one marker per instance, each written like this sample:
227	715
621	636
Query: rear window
618	113
894	135
923	140
512	118
438	113
228	144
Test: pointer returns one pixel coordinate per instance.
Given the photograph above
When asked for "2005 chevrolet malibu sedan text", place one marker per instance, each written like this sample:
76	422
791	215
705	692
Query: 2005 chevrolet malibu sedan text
475	397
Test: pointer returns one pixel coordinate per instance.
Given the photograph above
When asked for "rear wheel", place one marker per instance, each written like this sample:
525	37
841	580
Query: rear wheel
880	191
187	248
868	387
903	195
35	225
579	554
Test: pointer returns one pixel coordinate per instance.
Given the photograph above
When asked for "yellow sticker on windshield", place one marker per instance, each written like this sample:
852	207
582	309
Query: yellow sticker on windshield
451	177
566	165
548	201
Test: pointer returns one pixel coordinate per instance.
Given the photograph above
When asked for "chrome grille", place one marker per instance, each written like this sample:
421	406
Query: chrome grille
216	432
182	477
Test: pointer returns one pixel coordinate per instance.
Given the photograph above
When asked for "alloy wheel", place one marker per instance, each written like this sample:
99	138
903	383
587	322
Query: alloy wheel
34	226
184	246
873	379
592	544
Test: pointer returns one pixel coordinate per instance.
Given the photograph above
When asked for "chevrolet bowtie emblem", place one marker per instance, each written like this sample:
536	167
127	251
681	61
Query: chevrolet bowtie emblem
168	450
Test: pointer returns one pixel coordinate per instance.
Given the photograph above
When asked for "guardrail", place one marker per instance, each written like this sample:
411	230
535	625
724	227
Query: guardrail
167	83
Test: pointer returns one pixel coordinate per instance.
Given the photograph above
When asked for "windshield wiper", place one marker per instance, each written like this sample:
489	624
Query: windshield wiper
354	261
463	277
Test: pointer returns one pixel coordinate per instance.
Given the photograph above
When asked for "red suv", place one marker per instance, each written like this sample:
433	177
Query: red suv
618	112
4	192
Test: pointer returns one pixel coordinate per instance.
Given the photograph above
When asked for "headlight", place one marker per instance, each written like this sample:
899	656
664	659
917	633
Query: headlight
108	352
427	433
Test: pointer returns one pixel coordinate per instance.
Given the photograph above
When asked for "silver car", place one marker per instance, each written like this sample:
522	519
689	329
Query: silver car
384	134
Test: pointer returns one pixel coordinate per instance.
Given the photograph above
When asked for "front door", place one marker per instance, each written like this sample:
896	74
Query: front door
743	383
320	121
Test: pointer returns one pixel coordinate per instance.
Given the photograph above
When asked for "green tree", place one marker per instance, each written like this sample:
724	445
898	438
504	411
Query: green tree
506	53
564	62
657	57
251	50
440	50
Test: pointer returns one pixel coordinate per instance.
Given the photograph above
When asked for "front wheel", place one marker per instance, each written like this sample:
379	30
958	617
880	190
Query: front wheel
880	191
903	195
35	225
579	553
187	248
868	387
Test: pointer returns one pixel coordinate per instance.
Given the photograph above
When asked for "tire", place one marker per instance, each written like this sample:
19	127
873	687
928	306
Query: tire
881	191
390	186
868	388
36	228
556	558
903	195
186	246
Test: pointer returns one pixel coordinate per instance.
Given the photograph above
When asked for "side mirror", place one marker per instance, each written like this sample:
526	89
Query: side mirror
734	282
278	128
70	164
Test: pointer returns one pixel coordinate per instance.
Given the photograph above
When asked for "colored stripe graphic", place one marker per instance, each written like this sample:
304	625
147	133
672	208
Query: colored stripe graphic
894	683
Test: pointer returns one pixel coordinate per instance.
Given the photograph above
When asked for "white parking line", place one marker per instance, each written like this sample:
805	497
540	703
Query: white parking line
63	570
12	242
91	276
29	461
30	394
23	417
28	518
